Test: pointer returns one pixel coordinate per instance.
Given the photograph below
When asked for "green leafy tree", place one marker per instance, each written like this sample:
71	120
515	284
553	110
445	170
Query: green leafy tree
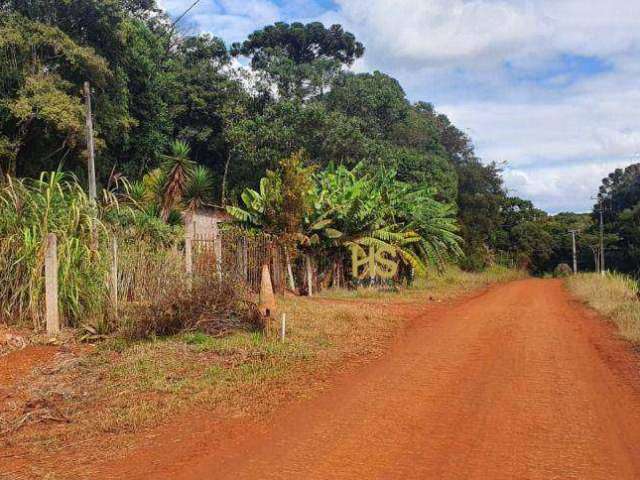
302	59
41	74
376	99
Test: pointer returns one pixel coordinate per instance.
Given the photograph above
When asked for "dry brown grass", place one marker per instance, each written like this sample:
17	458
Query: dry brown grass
613	295
452	282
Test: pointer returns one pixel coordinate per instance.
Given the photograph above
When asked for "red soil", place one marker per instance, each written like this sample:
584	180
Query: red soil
521	382
20	362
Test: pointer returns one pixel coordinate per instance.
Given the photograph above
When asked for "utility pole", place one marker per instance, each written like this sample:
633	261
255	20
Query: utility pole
91	163
575	258
602	267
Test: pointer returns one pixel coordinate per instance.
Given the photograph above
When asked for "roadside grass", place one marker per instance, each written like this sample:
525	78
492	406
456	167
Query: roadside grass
451	282
613	295
122	387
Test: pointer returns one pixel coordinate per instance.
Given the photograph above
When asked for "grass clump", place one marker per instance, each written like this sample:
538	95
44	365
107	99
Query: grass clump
615	296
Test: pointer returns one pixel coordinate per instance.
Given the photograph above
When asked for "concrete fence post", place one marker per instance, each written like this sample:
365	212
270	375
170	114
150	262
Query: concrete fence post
114	275
51	285
309	269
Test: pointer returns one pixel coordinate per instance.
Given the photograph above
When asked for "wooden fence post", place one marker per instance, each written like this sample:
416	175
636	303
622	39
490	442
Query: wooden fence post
114	275
245	258
217	249
292	280
51	285
188	257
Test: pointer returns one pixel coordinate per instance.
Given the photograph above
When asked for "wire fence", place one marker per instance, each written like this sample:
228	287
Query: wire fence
239	257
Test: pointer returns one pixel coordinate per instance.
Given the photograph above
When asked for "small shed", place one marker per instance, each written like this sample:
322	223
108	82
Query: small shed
204	222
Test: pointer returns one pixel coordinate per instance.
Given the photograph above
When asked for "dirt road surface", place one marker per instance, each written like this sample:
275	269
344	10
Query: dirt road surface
521	382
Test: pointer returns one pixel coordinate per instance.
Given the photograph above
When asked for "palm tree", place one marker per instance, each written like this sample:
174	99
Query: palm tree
177	168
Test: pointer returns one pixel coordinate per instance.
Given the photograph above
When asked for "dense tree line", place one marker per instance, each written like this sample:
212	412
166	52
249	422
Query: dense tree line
152	86
619	199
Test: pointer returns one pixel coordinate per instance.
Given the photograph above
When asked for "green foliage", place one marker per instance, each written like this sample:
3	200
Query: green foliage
377	99
152	85
283	204
41	115
301	59
29	211
620	200
344	207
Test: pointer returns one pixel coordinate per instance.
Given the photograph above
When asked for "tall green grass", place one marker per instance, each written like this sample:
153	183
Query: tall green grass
615	296
30	209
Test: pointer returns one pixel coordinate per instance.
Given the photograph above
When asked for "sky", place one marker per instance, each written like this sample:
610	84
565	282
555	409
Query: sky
549	88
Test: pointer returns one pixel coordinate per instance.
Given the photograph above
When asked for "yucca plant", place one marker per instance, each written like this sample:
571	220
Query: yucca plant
177	169
199	187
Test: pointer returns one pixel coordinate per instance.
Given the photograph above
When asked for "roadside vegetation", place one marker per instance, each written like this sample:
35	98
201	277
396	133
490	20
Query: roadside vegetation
450	282
614	295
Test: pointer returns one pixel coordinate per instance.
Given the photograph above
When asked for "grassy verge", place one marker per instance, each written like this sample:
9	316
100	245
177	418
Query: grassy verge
450	283
613	295
121	387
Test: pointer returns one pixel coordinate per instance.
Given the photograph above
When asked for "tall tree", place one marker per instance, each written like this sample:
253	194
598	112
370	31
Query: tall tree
301	59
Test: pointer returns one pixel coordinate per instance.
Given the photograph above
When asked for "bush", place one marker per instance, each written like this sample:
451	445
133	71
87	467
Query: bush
475	262
210	306
562	270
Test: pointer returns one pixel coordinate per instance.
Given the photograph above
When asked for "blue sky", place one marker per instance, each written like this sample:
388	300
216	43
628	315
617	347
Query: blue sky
549	87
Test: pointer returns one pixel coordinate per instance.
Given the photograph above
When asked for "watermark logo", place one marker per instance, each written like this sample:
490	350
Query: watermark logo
377	262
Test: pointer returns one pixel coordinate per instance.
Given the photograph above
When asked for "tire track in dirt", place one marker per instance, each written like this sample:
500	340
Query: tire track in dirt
519	383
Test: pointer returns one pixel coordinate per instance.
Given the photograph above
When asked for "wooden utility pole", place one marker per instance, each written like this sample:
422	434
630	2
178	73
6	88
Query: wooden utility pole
51	285
575	258
91	160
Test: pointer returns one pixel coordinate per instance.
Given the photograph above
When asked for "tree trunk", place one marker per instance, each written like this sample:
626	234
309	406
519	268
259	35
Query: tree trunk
292	280
223	199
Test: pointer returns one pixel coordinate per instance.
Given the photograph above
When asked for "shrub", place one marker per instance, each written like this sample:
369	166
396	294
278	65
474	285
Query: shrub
211	306
474	262
562	270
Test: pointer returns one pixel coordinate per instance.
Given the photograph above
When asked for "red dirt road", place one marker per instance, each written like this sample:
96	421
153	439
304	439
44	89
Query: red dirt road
521	382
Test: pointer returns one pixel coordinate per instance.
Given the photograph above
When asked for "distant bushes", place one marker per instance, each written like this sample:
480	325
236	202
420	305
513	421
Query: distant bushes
615	296
562	270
